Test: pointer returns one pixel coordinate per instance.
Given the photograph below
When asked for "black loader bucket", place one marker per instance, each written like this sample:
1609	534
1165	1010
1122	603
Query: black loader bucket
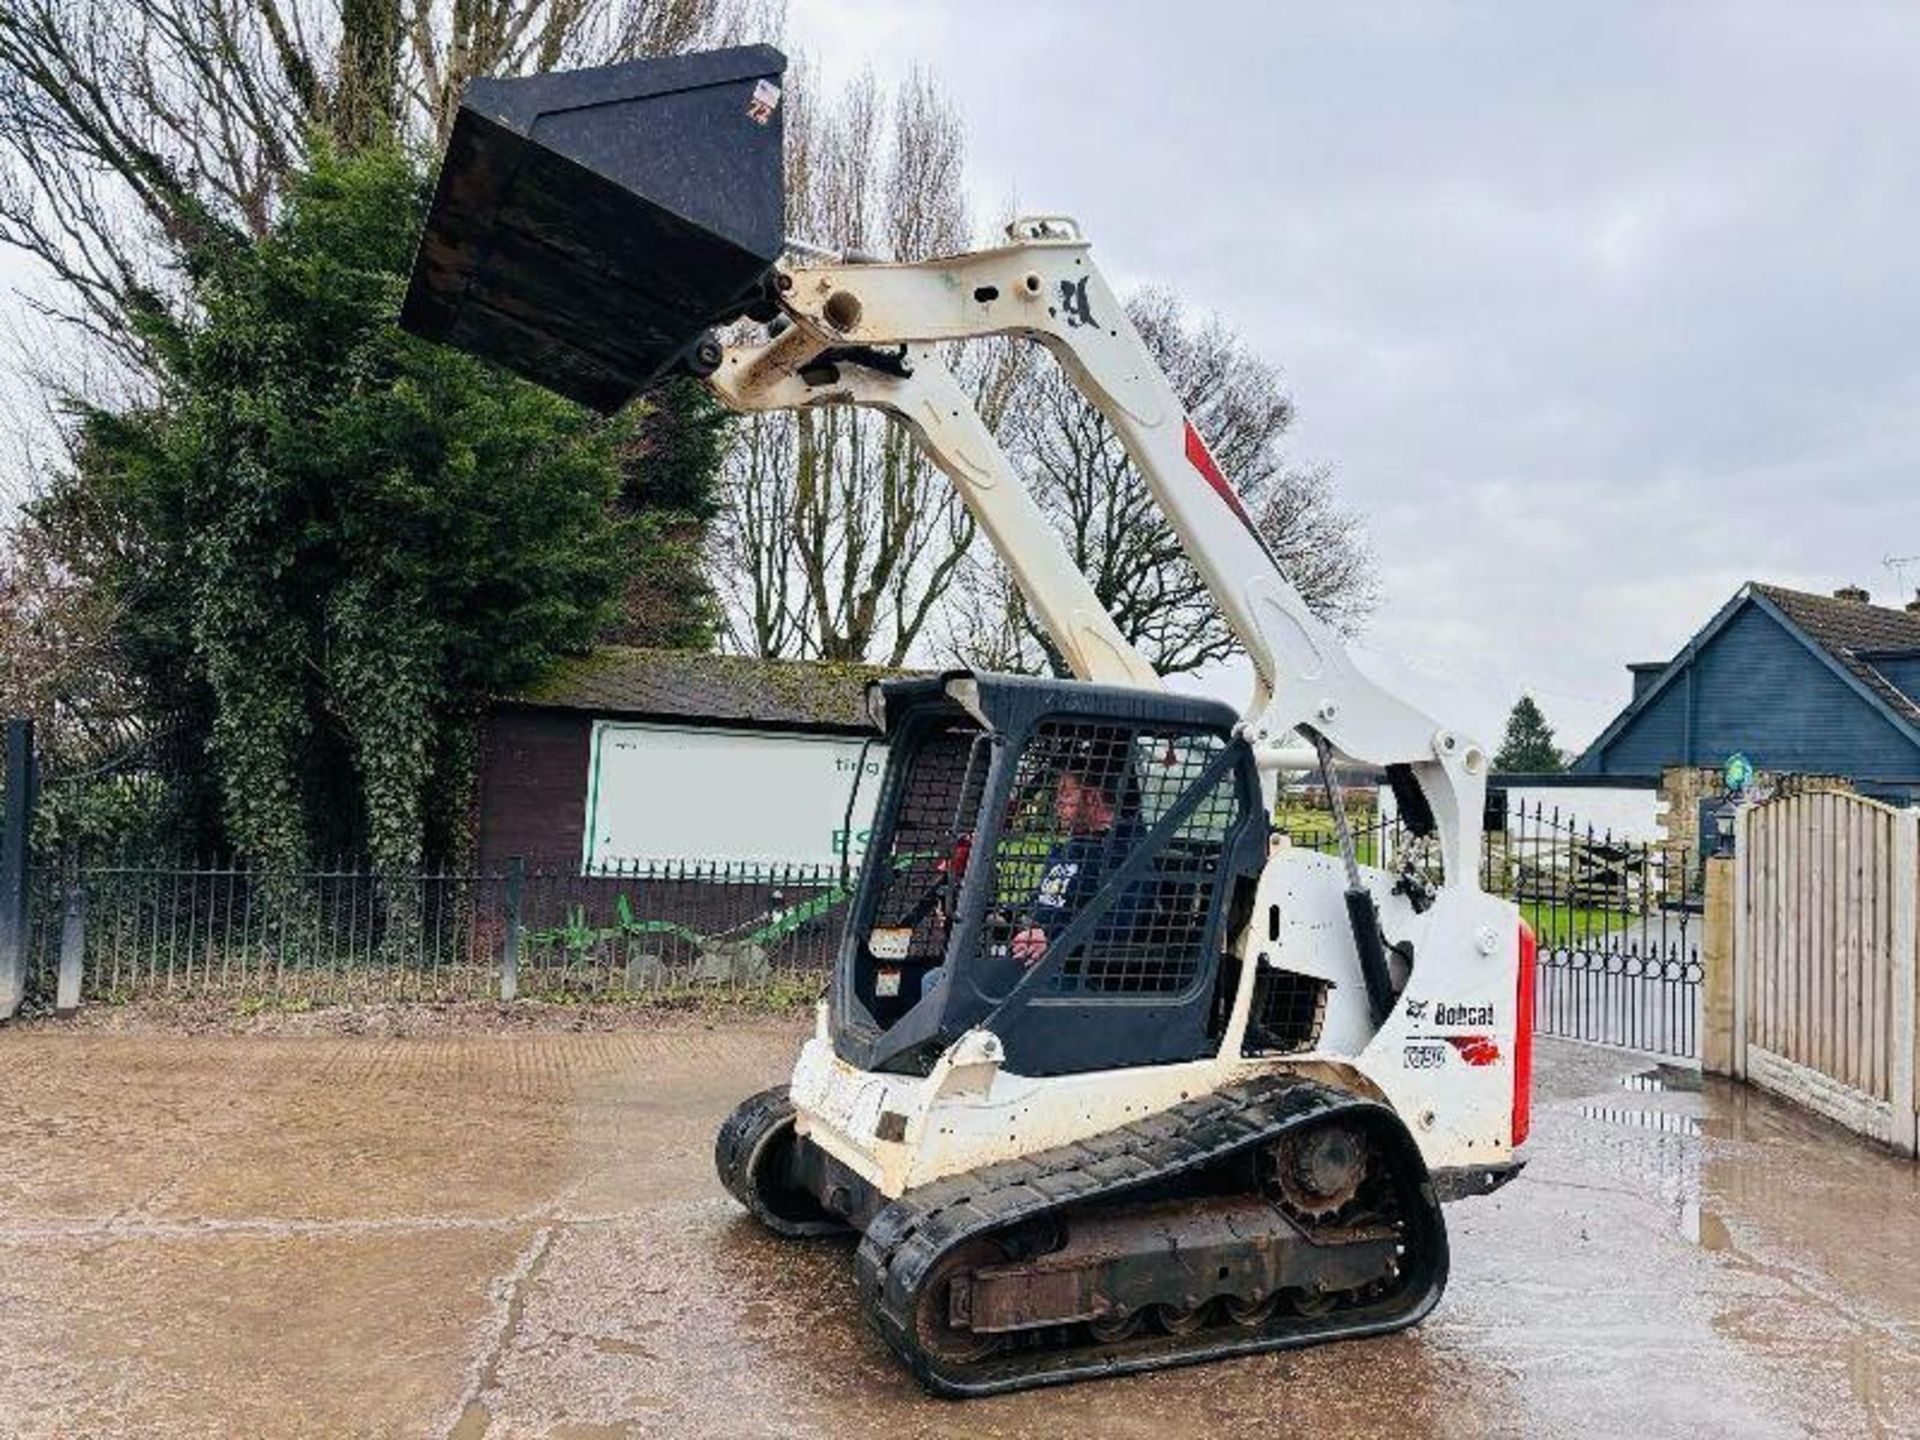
590	226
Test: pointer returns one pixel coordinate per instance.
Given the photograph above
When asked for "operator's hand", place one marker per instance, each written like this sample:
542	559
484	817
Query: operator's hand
1029	945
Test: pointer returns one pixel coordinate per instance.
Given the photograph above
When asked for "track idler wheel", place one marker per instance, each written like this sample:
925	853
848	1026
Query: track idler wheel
934	1326
1251	1314
1115	1328
1312	1303
753	1154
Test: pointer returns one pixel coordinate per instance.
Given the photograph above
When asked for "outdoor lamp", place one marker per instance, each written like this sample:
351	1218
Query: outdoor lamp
1723	818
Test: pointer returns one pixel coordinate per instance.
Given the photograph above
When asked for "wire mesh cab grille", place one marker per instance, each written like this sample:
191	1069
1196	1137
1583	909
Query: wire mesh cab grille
1086	796
1288	1011
934	811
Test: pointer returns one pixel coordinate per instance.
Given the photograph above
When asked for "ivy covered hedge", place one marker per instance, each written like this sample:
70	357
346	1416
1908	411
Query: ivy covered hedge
327	541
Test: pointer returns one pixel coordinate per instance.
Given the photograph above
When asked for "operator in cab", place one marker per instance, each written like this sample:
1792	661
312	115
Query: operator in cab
1098	829
1096	817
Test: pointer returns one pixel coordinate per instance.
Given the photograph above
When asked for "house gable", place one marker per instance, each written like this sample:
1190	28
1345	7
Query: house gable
1648	742
1750	682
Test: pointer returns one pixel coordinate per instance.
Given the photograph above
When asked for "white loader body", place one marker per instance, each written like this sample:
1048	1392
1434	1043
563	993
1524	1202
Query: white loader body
1443	1059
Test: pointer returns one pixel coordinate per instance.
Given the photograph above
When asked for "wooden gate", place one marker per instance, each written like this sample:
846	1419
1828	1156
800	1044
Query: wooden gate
1825	958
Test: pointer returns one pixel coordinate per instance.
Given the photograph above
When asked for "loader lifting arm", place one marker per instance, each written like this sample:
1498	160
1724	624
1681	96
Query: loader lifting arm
1044	286
795	370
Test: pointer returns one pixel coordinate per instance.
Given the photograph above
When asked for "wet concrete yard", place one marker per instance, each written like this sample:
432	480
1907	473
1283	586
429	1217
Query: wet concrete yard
520	1235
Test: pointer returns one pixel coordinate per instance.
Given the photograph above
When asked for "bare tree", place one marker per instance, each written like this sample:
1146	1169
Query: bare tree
139	139
838	540
1117	535
133	133
58	657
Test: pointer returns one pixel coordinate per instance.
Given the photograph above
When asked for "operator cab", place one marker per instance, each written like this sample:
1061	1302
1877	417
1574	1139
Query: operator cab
1062	863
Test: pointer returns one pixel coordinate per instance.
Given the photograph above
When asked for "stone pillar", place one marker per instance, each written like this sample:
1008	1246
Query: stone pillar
73	951
1905	1088
510	950
1717	1049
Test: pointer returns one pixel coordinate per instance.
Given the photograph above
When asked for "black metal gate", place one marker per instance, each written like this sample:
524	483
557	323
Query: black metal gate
1618	921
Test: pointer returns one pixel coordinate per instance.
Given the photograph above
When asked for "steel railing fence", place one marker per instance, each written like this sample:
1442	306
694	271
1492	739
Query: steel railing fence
347	934
1616	920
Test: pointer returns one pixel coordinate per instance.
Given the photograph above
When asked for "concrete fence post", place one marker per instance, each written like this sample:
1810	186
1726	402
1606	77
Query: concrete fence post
1743	957
1718	980
510	950
73	950
1906	977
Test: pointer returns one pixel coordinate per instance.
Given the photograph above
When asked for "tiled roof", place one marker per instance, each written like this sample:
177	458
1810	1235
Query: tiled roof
1849	630
719	689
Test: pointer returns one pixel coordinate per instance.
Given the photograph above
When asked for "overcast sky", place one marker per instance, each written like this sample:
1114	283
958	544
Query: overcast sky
1598	310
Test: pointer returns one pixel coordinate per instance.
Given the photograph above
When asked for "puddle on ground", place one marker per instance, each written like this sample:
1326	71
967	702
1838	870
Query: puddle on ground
1703	1227
1665	1121
1666	1079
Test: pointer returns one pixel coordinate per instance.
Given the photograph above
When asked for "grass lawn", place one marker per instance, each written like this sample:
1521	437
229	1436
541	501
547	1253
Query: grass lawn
1313	829
1559	924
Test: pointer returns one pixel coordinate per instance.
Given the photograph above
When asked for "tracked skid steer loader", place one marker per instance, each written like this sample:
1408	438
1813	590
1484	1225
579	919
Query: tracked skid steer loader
1110	1077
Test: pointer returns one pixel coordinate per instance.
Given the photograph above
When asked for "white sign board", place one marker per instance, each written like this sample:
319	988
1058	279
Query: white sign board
659	794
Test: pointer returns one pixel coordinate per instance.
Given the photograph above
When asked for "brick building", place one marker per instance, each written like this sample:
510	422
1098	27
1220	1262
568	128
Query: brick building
640	756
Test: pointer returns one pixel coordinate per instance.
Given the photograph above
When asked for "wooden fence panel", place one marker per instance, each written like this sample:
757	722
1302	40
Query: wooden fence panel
1825	957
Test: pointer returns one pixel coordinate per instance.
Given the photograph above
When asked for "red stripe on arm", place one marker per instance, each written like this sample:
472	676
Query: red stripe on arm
1202	460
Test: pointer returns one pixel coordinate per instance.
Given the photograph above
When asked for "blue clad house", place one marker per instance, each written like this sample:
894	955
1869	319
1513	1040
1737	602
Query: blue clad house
1799	683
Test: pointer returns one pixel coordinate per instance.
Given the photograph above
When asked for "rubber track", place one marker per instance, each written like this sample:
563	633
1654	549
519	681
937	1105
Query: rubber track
737	1151
908	1238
